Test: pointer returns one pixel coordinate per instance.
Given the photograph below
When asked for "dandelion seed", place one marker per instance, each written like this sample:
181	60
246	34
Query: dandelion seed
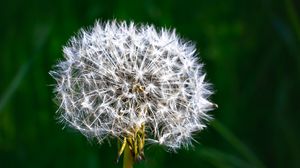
133	83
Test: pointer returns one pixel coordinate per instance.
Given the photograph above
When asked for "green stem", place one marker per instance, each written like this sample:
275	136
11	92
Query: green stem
236	143
292	14
127	159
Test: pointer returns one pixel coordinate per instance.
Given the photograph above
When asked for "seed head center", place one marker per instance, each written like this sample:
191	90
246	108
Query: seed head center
137	88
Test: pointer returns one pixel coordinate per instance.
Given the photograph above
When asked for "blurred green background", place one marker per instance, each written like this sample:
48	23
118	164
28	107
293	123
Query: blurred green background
251	51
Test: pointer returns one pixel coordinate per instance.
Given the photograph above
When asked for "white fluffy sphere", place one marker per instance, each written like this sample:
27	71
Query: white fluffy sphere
117	76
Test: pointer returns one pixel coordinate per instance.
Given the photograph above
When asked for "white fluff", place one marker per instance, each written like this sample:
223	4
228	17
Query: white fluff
118	76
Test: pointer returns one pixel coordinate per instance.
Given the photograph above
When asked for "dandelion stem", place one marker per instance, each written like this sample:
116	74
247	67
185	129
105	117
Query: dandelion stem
127	159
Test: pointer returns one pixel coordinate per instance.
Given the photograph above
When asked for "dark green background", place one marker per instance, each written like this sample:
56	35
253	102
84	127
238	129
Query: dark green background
251	51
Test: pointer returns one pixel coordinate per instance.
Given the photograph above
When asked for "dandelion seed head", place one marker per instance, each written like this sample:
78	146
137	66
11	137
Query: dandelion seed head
115	77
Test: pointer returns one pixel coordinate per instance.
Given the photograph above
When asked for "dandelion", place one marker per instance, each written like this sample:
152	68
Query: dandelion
133	83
